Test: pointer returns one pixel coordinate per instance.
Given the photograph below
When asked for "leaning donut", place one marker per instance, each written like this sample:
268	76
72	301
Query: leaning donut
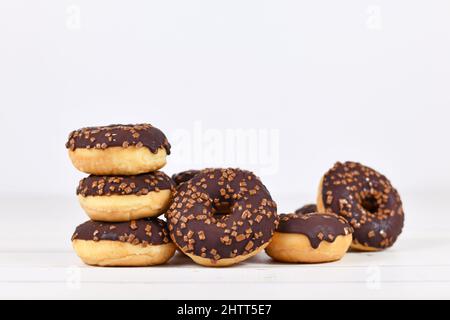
118	149
137	243
310	238
125	198
222	217
367	200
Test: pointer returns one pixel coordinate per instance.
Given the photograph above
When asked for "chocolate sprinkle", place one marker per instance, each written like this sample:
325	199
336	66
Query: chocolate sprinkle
116	135
148	231
367	200
309	208
222	213
184	176
141	184
317	227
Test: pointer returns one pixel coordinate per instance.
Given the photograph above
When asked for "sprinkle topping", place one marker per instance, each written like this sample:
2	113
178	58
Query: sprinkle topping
139	136
148	231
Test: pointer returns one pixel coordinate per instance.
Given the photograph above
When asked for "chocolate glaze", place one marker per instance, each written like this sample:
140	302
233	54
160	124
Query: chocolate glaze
184	176
309	208
367	200
140	184
317	227
116	135
198	227
148	231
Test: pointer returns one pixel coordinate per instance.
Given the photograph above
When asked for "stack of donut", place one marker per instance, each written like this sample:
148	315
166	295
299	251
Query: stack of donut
123	195
216	217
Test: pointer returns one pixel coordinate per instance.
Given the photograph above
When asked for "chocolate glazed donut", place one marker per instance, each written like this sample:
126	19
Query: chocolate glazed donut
125	198
309	208
184	176
367	200
118	149
222	216
310	238
143	242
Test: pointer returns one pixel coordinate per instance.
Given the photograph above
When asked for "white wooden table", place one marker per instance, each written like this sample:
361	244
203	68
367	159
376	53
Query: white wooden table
37	261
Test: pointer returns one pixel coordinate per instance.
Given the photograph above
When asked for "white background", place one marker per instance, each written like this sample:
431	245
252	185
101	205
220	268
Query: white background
337	79
358	80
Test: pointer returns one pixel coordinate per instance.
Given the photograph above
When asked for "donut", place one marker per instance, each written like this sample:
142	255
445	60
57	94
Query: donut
125	198
310	238
222	217
184	176
309	208
367	200
137	243
118	149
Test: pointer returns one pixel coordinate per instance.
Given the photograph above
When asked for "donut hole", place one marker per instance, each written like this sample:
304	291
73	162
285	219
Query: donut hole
370	204
222	210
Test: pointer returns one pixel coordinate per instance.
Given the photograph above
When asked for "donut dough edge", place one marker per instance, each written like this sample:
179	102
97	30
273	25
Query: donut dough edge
227	262
118	160
121	208
296	248
106	253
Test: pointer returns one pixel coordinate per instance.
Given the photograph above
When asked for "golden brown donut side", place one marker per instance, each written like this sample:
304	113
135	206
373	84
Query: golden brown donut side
116	208
296	248
118	160
122	254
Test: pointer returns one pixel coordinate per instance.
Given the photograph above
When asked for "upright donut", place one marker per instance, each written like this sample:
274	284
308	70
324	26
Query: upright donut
125	198
118	149
367	200
221	217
